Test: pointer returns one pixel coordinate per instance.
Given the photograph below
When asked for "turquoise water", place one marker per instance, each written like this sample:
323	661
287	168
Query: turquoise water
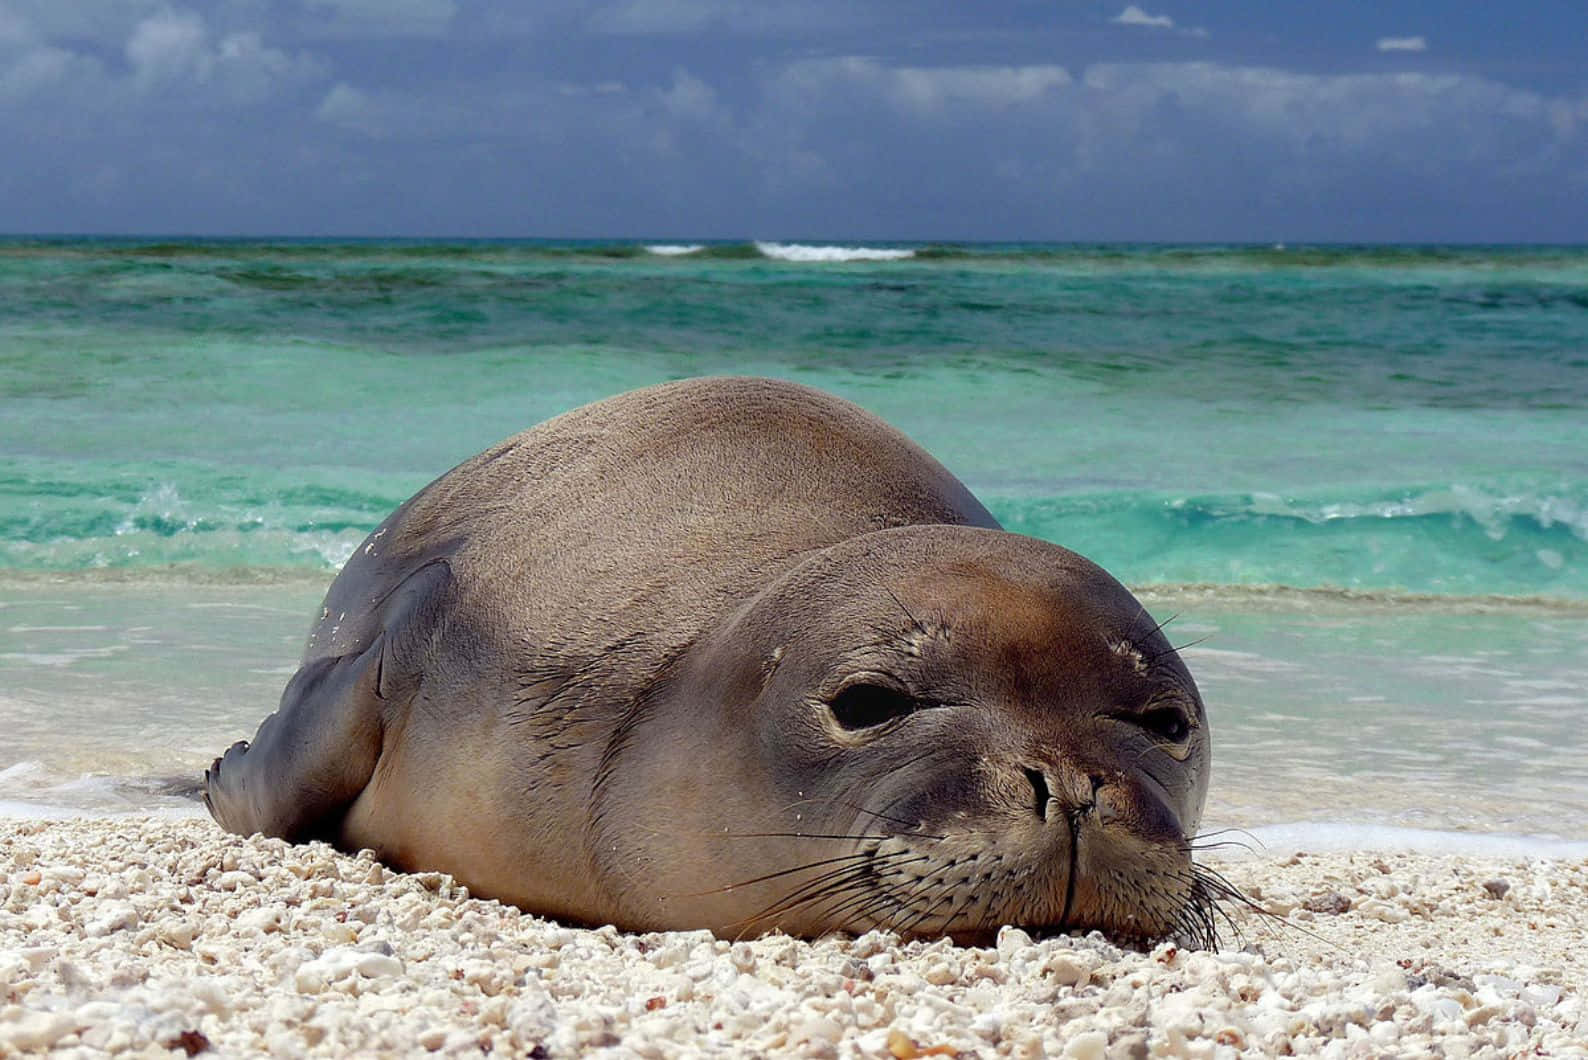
1397	431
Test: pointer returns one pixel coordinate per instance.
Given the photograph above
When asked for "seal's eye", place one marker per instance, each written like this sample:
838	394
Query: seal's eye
1169	722
863	706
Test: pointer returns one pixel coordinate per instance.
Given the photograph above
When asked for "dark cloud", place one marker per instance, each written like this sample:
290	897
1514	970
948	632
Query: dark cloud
722	118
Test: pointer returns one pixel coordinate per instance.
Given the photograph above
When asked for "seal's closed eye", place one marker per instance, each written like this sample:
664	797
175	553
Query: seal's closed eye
864	706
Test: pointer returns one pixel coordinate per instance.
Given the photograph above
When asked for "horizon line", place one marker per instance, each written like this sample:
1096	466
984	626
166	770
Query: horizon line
832	241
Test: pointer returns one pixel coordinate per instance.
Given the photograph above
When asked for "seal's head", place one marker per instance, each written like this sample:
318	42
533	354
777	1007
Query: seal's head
933	729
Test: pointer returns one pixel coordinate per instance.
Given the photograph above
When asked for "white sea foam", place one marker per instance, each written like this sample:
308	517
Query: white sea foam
163	503
30	789
27	771
673	250
46	811
804	253
62	658
1323	836
1494	512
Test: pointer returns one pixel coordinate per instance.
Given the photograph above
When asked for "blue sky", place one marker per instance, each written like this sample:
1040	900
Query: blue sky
915	119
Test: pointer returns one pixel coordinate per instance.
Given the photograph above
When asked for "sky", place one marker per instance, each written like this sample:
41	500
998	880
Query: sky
1246	120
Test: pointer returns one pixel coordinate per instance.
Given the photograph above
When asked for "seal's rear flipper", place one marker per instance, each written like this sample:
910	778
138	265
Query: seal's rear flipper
314	755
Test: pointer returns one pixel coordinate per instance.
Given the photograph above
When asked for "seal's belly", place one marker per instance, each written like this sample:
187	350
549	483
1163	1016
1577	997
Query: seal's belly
453	796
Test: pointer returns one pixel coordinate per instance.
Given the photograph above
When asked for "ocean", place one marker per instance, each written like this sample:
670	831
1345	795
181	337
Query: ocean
1356	477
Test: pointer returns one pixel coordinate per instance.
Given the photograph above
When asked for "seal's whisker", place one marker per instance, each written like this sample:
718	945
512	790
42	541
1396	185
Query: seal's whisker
853	881
1218	883
832	884
854	837
867	874
1225	831
1180	647
908	828
1196	922
1168	747
907	900
836	882
1228	844
1190	927
852	904
1212	894
1197	843
893	900
859	864
908	927
803	867
916	622
880	906
1159	627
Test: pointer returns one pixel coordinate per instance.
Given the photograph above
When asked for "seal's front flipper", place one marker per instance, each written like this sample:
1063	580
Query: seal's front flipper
314	755
310	759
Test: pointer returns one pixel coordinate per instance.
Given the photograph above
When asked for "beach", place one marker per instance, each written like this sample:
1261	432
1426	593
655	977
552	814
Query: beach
142	934
1349	480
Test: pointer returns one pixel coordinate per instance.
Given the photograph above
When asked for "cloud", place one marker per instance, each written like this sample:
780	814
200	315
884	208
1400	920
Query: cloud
45	68
691	98
250	72
599	88
1135	16
474	113
927	90
1343	112
747	17
13	30
351	108
1402	44
104	23
168	46
388	18
662	16
1183	150
727	134
172	49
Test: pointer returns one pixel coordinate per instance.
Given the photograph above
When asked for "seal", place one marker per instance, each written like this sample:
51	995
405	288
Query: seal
735	654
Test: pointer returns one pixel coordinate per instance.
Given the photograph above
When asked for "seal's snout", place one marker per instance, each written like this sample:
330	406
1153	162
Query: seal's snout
1096	804
1060	791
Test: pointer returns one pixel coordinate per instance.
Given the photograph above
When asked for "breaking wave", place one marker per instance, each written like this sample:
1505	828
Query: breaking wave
1443	540
1437	540
803	252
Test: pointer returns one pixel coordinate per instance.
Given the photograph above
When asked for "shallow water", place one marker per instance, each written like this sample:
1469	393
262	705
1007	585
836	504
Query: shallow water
1416	714
1323	709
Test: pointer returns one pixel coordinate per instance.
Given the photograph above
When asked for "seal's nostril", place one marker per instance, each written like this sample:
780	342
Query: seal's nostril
1092	803
1041	795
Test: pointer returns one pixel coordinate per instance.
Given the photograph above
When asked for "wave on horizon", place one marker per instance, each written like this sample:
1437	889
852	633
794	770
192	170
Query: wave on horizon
805	252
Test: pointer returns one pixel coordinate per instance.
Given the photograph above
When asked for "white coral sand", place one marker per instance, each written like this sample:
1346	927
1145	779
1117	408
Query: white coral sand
144	935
